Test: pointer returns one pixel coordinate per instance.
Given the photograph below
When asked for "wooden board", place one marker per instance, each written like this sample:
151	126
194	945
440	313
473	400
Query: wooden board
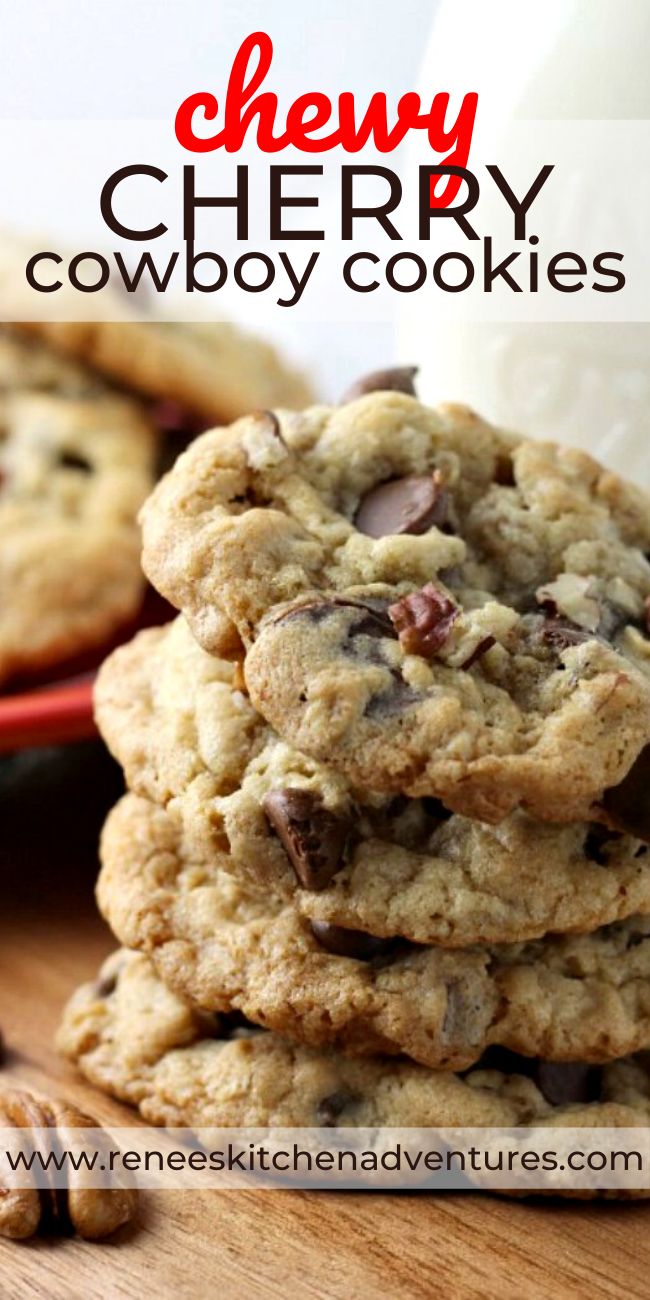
248	1245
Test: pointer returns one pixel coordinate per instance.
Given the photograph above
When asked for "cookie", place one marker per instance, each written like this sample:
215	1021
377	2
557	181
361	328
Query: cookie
584	997
212	371
189	740
135	1039
430	605
73	474
29	365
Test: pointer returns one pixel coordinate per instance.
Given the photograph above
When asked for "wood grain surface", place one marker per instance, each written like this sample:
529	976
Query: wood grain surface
254	1244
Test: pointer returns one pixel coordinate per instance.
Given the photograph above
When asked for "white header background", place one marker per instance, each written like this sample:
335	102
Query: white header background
90	85
111	59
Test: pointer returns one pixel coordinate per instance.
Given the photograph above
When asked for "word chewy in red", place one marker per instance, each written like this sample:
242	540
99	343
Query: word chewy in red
314	110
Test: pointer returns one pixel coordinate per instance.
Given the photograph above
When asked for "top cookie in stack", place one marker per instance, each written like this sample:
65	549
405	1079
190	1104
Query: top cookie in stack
427	604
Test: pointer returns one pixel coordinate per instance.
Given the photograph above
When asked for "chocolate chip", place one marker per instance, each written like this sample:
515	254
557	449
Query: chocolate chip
313	837
560	1082
330	1108
424	620
646	610
563	1083
352	943
504	472
70	460
106	986
628	804
404	505
596	841
399	379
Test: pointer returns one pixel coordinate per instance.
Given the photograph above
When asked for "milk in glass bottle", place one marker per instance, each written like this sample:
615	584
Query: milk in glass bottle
583	65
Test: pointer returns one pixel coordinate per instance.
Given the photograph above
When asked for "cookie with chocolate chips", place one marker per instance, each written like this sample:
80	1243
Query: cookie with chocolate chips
75	465
151	1048
212	371
585	997
285	824
429	604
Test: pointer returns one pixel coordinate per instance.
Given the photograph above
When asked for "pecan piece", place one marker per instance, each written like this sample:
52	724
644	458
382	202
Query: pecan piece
92	1212
423	620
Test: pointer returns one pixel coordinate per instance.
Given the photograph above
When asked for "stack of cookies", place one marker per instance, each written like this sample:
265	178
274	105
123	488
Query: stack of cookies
384	856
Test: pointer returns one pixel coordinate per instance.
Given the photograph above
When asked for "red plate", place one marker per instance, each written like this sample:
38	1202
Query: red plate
60	708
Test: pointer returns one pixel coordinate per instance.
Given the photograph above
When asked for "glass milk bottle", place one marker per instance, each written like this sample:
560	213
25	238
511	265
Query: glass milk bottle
587	383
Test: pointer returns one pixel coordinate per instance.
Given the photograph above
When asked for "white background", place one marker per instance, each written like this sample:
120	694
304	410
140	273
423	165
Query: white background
109	59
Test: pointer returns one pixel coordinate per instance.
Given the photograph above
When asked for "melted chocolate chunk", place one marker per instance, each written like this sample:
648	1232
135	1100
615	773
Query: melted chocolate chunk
313	837
628	804
353	943
564	1083
398	379
646	619
331	1108
424	620
373	618
404	505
